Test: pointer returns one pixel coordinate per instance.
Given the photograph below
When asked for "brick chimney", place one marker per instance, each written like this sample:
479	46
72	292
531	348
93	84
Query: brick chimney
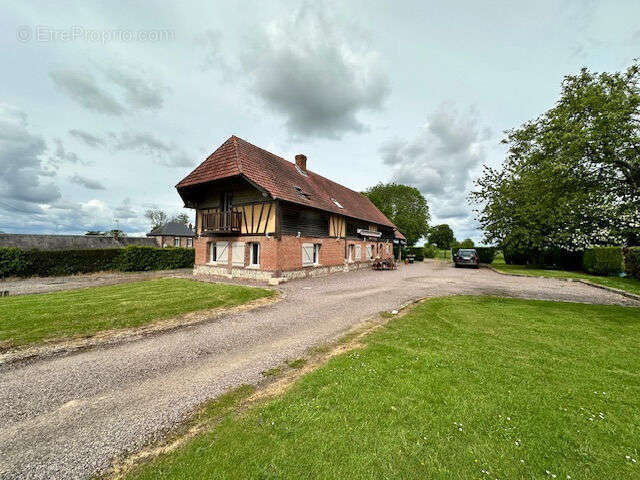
301	162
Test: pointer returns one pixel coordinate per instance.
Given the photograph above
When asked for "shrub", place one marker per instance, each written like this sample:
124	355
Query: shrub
13	262
486	254
603	260
430	251
136	259
632	261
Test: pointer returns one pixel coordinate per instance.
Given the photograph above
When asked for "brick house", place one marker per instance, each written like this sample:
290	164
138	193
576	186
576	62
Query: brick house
261	216
173	234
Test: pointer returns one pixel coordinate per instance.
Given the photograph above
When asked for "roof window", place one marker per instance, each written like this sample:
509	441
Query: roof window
338	204
301	192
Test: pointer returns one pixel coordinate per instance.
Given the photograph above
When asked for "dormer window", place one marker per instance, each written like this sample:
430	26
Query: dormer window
338	204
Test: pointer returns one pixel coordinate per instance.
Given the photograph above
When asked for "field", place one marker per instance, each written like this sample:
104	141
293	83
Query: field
629	284
27	319
460	387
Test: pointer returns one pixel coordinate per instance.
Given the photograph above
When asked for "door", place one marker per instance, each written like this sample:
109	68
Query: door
225	208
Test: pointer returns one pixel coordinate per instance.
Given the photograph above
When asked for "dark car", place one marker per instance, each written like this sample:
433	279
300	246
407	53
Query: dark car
466	256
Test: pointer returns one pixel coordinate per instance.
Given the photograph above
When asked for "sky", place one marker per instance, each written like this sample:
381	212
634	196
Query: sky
106	105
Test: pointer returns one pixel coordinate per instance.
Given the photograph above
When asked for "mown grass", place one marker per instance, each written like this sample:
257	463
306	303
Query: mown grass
629	284
458	387
29	319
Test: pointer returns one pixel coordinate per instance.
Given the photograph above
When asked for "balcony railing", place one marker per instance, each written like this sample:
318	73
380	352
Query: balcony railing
222	222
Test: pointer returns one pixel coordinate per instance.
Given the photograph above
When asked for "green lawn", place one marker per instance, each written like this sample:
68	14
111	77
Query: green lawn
458	387
629	284
28	319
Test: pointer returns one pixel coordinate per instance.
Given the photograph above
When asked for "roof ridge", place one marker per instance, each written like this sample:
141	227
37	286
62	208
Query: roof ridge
292	164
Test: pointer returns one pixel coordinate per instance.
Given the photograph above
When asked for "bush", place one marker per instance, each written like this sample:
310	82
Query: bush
13	262
486	254
430	251
603	260
45	263
632	261
417	252
137	259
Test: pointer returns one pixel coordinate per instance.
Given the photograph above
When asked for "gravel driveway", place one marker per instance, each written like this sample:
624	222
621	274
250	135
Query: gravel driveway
69	417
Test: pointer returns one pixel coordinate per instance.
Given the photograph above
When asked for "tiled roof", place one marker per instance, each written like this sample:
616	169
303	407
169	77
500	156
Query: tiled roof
172	229
282	180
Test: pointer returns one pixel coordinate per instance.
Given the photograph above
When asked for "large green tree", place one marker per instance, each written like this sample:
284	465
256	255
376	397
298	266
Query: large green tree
441	236
405	206
572	176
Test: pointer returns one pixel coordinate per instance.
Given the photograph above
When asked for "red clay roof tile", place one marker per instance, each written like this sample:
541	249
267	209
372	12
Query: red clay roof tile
279	177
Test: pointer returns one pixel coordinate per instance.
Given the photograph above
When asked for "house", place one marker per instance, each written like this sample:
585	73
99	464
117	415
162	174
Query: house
173	234
261	216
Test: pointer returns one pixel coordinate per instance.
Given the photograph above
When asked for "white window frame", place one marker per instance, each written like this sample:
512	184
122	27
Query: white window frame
213	248
358	254
253	245
177	241
369	251
351	248
189	242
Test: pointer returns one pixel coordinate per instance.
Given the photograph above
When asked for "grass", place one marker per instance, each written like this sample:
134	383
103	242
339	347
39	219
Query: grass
629	284
458	387
28	319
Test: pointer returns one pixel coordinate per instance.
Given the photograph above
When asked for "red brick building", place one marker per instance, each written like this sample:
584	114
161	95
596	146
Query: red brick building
261	216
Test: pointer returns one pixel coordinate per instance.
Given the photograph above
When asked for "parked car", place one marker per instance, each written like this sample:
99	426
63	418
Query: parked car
466	257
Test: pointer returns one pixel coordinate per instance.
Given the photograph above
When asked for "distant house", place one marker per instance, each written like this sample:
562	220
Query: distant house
173	234
261	216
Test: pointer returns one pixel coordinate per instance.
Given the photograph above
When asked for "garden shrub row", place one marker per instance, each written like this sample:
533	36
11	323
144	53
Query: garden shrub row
44	263
632	261
554	257
603	260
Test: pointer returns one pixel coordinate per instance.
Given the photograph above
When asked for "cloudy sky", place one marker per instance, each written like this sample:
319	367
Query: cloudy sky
105	106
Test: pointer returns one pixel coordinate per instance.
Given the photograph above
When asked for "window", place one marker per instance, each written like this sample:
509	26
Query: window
237	254
190	242
212	253
369	252
358	253
176	241
254	254
350	253
338	204
310	254
301	192
222	252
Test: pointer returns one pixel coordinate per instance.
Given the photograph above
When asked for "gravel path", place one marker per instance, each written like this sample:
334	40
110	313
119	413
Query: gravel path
21	286
69	417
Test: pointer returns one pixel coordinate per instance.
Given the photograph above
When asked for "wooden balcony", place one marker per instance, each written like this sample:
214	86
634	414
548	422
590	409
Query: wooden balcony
222	222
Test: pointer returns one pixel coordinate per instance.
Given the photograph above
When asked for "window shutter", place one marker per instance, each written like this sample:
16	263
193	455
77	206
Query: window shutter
358	252
237	254
307	253
222	252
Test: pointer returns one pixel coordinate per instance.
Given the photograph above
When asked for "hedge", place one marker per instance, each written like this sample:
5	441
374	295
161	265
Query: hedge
430	251
550	258
138	259
603	260
632	261
486	254
45	263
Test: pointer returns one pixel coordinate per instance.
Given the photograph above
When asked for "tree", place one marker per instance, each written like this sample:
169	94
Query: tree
467	243
157	217
441	236
571	178
181	218
405	206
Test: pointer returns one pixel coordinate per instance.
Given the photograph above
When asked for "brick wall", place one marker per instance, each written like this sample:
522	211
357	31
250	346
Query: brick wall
285	254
